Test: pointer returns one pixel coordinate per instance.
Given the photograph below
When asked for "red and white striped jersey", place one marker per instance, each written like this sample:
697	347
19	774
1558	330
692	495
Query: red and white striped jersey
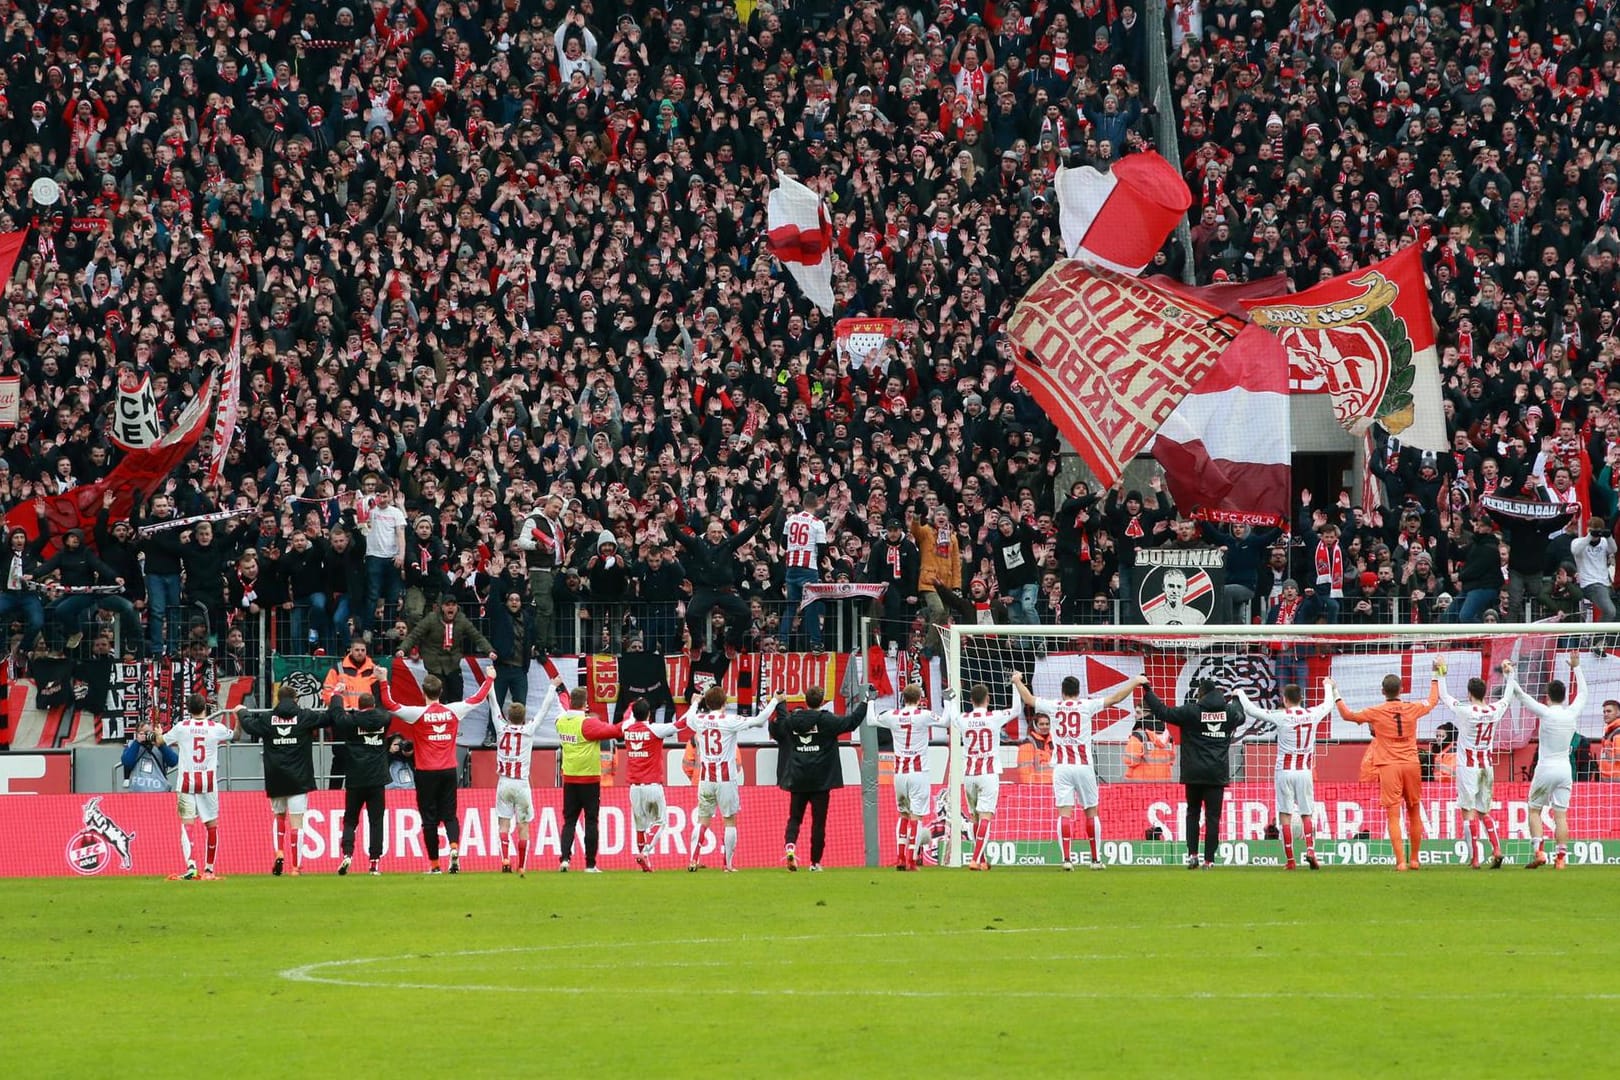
715	735
514	743
1476	726
1296	731
805	534
981	734
1071	728
644	750
197	740
910	724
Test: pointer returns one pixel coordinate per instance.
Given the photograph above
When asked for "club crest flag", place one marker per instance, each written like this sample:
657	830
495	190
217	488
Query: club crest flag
230	401
800	236
1109	357
860	340
135	423
1120	218
1369	337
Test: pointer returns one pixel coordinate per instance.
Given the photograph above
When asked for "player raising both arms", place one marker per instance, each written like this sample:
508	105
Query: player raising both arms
1476	767
981	783
1553	779
715	734
197	737
1074	773
289	765
644	757
514	799
436	762
911	725
1393	760
1296	759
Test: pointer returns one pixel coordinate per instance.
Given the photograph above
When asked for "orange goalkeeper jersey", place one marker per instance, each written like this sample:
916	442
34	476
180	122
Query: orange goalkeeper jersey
1394	727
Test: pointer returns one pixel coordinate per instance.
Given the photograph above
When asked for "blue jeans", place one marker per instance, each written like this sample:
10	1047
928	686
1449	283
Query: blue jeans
162	598
797	578
1473	606
29	609
511	684
337	636
1023	608
70	612
308	614
384	582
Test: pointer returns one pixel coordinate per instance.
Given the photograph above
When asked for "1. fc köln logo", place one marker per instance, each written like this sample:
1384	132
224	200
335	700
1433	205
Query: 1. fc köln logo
91	849
1176	596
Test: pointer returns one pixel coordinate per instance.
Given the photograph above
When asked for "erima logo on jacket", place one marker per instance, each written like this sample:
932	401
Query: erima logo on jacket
1214	723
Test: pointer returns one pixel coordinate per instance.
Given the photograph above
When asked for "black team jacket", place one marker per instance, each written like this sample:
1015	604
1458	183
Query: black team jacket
1207	726
807	758
288	731
365	733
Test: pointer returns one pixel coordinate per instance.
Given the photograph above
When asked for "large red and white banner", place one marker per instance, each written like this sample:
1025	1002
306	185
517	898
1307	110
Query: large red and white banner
1109	357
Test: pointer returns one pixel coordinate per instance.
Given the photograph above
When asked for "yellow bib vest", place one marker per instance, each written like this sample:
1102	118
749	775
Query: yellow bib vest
580	756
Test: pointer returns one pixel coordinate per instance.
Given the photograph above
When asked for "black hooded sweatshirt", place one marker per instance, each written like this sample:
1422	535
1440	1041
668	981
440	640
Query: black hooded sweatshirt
1207	726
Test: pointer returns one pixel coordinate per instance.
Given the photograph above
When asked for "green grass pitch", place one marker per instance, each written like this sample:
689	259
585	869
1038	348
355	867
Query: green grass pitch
1132	972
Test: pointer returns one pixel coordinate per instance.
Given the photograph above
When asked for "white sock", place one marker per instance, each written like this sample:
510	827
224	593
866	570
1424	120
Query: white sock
1468	838
731	843
1537	843
185	841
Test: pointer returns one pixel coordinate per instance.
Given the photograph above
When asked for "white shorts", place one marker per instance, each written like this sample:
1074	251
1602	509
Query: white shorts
911	794
1474	785
513	799
1070	782
982	793
718	795
1551	786
289	804
647	806
204	805
1296	792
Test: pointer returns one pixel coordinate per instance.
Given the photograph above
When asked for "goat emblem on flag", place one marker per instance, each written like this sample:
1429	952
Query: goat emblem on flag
1369	338
1359	347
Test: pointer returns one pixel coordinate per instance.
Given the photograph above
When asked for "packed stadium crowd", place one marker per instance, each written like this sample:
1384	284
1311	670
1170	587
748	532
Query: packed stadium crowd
510	323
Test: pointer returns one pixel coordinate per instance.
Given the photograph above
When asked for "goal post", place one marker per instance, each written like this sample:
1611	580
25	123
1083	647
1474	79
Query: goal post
1141	805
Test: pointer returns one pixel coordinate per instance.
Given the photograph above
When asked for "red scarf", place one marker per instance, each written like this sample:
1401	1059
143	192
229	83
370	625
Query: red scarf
1330	568
1286	611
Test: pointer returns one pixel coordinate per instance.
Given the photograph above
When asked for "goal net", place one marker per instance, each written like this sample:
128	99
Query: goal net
1141	817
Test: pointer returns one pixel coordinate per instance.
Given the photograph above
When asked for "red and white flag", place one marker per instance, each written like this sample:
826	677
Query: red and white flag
800	235
1120	218
230	402
1109	357
1368	336
860	340
1225	450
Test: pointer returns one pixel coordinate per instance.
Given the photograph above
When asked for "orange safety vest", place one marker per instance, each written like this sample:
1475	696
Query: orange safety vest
349	683
1445	765
1609	754
1149	755
1034	763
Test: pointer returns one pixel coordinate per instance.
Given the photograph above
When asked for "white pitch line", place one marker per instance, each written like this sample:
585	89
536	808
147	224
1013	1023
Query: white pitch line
314	973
